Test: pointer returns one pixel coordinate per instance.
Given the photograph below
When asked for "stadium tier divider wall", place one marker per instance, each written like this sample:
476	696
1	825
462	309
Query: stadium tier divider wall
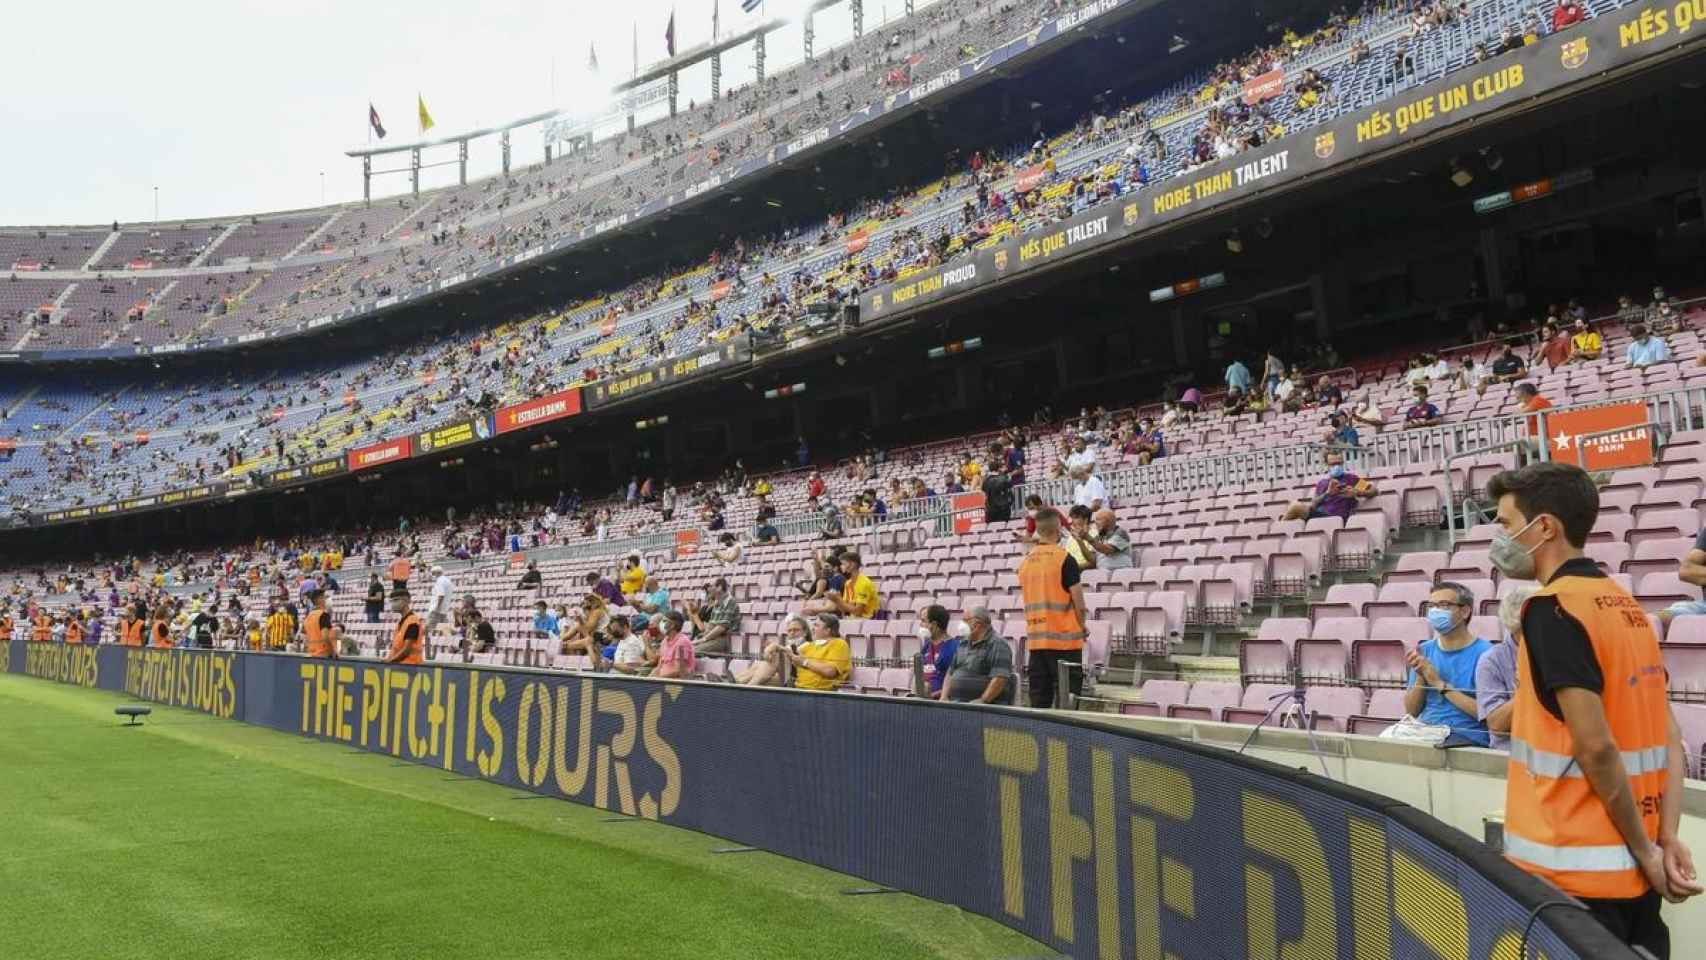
1096	840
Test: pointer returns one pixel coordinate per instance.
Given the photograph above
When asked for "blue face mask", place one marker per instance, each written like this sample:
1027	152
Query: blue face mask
1441	621
1338	472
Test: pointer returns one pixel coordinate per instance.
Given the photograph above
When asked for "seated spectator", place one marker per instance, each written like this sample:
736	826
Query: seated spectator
587	636
1082	455
1554	347
653	600
1087	489
1441	681
826	575
1033	503
1585	343
1628	311
773	667
1495	675
1367	413
633	577
604	589
1340	431
1508	368
1075	537
1235	403
1473	376
1336	495
628	650
982	670
1529	400
729	549
1110	543
481	635
1692	570
1421	413
1645	349
937	647
716	622
676	658
826	661
767	533
531	579
1566	14
858	599
831	528
1149	444
1327	393
1666	319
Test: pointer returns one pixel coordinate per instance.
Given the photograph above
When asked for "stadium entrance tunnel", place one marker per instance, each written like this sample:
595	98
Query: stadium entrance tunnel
1098	841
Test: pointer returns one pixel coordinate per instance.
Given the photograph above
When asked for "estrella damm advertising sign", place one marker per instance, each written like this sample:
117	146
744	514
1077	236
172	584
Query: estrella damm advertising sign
1570	56
1097	840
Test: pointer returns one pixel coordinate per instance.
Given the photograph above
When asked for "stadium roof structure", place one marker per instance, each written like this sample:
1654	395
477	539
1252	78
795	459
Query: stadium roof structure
641	90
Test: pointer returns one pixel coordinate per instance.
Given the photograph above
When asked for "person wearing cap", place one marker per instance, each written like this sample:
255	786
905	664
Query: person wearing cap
825	662
1054	609
675	657
438	608
982	669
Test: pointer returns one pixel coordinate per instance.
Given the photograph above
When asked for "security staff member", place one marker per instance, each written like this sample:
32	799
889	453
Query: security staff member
408	638
161	631
318	627
1054	610
130	629
1593	794
41	626
73	627
6	626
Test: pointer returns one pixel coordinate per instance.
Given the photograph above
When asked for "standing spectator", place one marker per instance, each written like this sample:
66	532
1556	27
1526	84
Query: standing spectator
633	577
997	488
1567	13
717	620
1495	675
1088	490
400	571
1692	570
1367	413
438	607
937	648
667	502
1590	698
1110	542
982	670
1644	349
1237	377
1054	611
1273	371
1336	495
1421	413
1441	687
675	654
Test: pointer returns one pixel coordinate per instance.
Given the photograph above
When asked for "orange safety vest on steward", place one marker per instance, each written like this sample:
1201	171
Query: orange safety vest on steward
133	634
1555	826
73	631
42	630
1050	623
406	651
162	634
319	640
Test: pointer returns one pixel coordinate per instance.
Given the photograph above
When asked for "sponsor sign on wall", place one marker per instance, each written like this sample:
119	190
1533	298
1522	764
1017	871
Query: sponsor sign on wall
379	454
545	409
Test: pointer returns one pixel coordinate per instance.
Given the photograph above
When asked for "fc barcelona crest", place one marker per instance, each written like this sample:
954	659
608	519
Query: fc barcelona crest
876	302
1574	53
1000	261
1131	214
1325	144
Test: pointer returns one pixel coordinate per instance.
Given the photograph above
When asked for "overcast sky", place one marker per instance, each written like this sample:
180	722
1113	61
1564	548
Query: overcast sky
238	106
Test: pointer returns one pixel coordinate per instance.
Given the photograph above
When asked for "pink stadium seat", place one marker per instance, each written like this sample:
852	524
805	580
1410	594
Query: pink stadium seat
1691	717
1260	659
1164	693
1686	666
1215	696
1334	706
1344	600
1687	630
1140	709
1378	663
1401	599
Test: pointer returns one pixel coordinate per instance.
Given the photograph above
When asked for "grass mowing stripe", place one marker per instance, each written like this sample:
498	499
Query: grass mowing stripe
225	840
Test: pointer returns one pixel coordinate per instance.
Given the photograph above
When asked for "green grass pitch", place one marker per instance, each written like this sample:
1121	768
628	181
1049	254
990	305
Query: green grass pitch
194	837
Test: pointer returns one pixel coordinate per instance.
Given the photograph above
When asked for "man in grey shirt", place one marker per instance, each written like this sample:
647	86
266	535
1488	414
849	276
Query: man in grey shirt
983	666
1495	674
1111	543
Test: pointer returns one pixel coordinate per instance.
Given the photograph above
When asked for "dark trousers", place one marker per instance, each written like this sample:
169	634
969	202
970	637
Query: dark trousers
1635	922
1044	670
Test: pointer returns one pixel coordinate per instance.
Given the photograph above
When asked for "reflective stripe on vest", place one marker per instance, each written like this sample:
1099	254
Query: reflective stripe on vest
1543	763
1556	827
1612	857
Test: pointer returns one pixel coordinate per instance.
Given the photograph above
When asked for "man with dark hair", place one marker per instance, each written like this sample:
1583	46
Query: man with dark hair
997	488
1054	610
1421	413
1508	367
409	636
937	647
606	590
1442	670
717	620
1593	797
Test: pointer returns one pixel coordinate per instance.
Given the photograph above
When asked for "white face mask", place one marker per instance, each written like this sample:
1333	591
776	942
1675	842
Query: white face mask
962	628
924	634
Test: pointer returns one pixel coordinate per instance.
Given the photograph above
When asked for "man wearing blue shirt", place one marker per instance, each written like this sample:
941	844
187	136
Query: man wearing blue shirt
1645	349
1441	681
1238	376
544	624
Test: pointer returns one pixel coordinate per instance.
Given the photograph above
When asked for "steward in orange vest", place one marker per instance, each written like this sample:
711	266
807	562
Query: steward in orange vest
1593	792
73	629
162	634
409	637
41	627
1054	610
130	629
318	627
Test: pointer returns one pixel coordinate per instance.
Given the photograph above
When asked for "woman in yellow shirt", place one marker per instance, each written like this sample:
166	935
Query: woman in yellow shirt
1586	343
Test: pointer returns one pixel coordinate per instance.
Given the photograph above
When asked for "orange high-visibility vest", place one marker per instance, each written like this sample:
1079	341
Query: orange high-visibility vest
73	631
319	637
1555	825
133	634
6	626
43	628
162	634
402	649
1050	623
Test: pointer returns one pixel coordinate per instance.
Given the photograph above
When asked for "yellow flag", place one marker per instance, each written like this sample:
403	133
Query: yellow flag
426	118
